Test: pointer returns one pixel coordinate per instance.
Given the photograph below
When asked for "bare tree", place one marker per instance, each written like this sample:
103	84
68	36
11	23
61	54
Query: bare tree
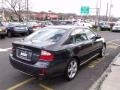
16	7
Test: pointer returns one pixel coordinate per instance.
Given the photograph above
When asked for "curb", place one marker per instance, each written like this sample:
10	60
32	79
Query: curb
98	83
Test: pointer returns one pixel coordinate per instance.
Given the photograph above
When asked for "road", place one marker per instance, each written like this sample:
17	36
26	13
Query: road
11	79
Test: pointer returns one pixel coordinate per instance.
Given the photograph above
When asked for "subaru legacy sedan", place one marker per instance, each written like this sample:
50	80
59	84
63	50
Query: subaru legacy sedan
56	50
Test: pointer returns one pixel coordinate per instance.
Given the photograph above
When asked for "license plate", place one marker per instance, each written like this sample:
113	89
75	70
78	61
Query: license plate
24	54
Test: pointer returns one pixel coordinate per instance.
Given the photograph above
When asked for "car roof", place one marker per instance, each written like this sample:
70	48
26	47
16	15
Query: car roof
67	27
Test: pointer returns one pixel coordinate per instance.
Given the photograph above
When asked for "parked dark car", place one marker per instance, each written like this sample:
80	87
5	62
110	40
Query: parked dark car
34	26
104	26
3	31
17	29
63	22
42	24
56	50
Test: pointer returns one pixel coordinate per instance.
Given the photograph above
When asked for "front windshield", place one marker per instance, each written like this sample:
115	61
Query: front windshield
52	35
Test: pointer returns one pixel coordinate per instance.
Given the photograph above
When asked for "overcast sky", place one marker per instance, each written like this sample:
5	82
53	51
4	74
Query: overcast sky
73	6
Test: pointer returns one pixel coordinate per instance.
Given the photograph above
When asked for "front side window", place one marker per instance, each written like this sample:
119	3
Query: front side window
89	34
79	35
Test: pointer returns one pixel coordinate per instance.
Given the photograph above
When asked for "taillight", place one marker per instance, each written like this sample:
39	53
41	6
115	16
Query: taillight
13	49
34	27
13	28
46	56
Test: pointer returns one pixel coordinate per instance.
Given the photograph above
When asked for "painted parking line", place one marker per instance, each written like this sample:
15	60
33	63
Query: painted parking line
107	54
112	41
112	46
5	49
20	84
93	63
45	87
116	44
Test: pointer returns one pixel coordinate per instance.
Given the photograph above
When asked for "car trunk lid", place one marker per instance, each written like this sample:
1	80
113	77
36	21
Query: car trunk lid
27	51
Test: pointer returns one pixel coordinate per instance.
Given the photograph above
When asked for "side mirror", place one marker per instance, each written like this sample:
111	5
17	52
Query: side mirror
97	36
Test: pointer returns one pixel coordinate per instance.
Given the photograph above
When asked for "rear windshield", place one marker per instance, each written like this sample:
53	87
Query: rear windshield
52	35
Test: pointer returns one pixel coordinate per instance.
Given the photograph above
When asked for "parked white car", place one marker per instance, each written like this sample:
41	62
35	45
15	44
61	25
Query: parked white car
85	24
116	27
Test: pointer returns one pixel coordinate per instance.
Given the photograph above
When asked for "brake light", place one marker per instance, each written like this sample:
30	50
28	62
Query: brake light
34	27
13	49
13	29
46	56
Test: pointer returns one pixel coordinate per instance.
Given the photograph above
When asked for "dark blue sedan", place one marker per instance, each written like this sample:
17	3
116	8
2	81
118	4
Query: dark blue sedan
56	50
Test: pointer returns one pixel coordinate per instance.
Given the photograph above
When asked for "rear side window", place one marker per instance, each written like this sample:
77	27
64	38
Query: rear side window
79	35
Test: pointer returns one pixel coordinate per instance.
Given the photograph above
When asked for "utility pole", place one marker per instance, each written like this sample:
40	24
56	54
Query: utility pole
3	12
97	12
27	8
107	12
109	19
19	10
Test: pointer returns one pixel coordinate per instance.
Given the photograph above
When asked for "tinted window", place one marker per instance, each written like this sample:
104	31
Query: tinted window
51	35
79	35
70	40
1	24
89	33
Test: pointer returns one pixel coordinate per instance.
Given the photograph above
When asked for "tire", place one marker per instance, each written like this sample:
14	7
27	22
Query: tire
102	51
2	36
27	33
9	34
99	28
71	69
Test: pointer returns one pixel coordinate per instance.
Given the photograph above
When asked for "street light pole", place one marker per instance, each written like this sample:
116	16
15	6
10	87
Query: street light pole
3	12
107	12
97	11
19	6
27	6
110	11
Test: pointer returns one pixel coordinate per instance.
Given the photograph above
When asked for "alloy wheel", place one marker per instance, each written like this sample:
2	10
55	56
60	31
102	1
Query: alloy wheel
72	69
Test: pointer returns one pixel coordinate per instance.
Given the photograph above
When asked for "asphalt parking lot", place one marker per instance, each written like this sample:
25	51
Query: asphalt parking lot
11	79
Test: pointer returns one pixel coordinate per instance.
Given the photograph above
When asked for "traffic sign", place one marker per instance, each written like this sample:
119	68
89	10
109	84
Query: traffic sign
85	10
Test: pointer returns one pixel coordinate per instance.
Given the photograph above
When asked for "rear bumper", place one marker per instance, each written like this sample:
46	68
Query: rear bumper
115	30
19	32
40	69
3	33
105	28
33	70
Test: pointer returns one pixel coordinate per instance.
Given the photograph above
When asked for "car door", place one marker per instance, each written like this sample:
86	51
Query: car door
96	44
80	45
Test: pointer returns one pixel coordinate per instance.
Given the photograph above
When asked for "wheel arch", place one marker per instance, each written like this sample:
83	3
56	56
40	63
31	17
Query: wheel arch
77	58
